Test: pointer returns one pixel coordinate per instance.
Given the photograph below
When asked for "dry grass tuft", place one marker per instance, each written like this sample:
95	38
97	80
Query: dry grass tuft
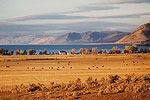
75	89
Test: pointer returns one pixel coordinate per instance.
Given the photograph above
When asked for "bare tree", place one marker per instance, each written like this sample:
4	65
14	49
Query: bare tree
31	52
131	49
134	48
82	51
17	52
12	52
21	52
25	52
94	51
104	51
115	50
1	51
87	51
128	49
73	51
7	52
45	51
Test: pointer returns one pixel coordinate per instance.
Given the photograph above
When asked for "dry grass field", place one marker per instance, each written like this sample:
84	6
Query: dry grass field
43	69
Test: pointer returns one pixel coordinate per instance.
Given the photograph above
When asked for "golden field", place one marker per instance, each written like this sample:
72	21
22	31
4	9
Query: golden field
19	69
28	69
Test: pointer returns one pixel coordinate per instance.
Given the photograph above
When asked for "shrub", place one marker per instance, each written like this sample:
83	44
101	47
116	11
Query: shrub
34	87
74	89
113	78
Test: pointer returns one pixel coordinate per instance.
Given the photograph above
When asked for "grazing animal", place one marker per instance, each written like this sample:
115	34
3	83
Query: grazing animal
143	63
63	67
133	61
7	66
102	65
33	68
71	67
96	67
123	61
88	68
92	66
42	68
51	67
57	69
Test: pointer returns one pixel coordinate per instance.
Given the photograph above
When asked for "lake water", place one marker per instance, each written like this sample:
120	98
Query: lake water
54	48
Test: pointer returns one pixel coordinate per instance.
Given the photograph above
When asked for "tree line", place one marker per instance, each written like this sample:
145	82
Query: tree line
83	51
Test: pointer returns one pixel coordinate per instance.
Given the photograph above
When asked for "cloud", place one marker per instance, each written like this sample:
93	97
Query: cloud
38	29
125	16
45	17
63	15
108	2
91	8
128	1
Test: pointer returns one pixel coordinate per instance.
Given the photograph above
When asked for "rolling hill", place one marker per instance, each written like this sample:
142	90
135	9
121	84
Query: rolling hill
140	35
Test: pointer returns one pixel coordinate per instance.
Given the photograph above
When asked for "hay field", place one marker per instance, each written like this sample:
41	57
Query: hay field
15	70
71	76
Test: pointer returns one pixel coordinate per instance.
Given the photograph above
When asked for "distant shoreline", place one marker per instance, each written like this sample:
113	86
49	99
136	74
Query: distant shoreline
74	44
109	43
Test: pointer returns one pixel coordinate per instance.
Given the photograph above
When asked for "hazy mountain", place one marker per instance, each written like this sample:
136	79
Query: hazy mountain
16	40
91	37
69	38
44	40
140	35
25	39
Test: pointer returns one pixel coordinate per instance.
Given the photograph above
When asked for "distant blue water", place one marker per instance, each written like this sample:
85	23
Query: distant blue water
54	48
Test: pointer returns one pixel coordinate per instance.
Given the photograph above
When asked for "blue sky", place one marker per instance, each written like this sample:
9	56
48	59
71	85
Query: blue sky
56	17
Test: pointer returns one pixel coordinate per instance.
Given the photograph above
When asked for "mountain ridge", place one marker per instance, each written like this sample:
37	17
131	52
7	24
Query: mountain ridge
139	36
69	38
90	37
